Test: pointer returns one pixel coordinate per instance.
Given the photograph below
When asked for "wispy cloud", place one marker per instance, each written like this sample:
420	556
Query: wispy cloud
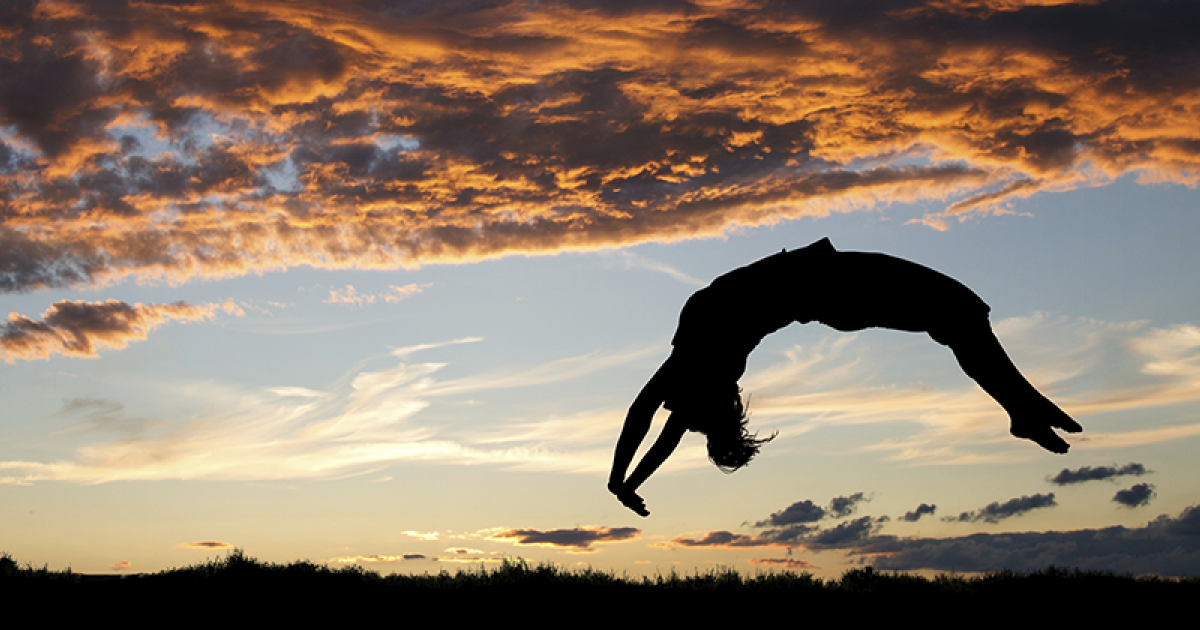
1088	367
373	420
207	544
785	563
351	297
635	261
157	140
288	432
378	559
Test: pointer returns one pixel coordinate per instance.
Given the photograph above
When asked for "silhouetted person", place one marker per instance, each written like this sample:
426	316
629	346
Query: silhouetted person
722	323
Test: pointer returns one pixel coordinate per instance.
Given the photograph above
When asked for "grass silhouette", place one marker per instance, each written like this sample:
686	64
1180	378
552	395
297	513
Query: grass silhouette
305	591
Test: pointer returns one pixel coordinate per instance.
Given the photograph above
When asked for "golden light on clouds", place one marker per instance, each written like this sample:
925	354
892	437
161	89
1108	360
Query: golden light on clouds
79	329
164	141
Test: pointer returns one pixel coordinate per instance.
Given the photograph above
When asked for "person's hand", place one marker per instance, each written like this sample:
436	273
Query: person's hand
628	498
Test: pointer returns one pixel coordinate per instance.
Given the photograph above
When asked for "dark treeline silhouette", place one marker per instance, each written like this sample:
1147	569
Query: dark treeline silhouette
238	590
722	323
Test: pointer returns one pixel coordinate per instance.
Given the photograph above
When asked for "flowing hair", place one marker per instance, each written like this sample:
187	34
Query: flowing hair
730	443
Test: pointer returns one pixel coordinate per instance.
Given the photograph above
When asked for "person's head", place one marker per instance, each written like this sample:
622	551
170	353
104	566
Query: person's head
723	421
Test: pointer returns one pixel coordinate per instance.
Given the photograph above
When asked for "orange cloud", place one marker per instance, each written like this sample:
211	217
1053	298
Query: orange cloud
121	566
79	329
167	142
351	297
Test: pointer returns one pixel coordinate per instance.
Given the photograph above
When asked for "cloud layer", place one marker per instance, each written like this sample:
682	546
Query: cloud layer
371	420
364	424
1164	546
182	140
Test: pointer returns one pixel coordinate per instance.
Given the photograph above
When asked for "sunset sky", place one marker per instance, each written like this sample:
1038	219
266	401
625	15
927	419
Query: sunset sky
375	282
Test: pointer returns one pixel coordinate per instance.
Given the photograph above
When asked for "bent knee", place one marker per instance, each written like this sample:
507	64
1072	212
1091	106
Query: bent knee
961	333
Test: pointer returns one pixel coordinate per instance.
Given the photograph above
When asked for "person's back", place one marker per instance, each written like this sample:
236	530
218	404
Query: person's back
722	323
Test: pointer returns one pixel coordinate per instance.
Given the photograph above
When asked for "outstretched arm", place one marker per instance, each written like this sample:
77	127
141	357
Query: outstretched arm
637	425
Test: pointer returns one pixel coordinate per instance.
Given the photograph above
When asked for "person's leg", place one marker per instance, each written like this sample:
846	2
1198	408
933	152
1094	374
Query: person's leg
1032	415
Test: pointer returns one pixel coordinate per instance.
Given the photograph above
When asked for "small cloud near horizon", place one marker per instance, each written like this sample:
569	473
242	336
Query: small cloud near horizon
785	563
1098	473
915	515
577	538
378	559
207	544
995	511
1139	495
723	539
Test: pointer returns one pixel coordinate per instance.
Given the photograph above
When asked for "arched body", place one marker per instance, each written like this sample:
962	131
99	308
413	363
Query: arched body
721	324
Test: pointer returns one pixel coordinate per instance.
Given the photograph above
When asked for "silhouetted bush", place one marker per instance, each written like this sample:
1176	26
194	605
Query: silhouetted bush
304	591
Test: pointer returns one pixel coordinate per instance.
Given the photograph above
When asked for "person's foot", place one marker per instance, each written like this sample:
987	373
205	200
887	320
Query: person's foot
1043	435
1060	420
634	502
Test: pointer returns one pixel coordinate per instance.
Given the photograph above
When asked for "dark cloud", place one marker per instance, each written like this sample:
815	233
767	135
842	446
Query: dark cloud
808	512
791	535
845	535
721	539
79	328
841	507
786	563
995	511
393	134
207	544
915	515
1164	546
576	538
799	512
1089	473
1136	496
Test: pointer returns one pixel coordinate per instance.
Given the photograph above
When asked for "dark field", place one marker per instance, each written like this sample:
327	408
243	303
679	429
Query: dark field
238	590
